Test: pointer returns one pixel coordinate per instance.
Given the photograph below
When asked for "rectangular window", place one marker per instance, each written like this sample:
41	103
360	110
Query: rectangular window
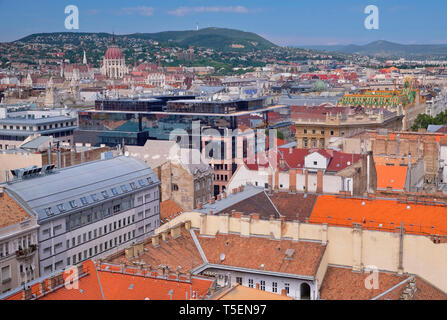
116	208
239	280
250	283
274	287
287	287
262	287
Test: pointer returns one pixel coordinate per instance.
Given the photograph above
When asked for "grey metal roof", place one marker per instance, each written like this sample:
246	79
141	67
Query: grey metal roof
231	199
36	143
22	120
72	183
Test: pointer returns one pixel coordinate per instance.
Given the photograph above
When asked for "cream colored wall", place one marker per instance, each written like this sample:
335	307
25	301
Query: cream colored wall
351	247
9	161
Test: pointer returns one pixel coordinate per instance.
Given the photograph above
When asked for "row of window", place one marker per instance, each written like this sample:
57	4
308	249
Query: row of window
39	128
262	285
100	248
314	132
22	242
92	198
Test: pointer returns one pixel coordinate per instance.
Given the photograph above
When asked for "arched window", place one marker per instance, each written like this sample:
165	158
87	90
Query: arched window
305	291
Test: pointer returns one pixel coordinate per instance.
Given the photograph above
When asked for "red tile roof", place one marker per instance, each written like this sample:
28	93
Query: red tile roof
381	214
262	253
102	284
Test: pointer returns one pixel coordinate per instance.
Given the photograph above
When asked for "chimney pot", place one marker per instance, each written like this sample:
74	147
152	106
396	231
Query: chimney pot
219	197
199	205
224	195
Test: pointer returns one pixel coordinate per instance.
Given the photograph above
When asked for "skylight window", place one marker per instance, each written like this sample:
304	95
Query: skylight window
49	211
84	201
105	194
115	191
124	188
73	204
149	180
61	207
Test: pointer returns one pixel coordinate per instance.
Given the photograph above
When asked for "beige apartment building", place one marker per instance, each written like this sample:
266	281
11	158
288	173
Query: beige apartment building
316	126
19	262
185	175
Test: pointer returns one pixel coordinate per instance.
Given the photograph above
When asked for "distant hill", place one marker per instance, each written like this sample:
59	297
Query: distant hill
214	38
388	49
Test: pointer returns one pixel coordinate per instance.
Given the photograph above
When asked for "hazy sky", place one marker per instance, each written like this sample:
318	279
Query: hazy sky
285	22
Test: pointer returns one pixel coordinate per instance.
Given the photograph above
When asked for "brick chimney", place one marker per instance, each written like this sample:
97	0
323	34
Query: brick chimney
255	216
224	195
27	293
42	287
164	235
211	212
219	197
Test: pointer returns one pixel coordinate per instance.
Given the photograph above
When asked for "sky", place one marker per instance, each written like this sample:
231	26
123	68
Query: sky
284	22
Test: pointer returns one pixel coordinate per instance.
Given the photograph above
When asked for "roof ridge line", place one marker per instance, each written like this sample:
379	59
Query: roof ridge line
276	209
198	246
392	288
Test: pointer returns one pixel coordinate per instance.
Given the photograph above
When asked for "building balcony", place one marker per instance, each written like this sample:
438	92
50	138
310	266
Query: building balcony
28	252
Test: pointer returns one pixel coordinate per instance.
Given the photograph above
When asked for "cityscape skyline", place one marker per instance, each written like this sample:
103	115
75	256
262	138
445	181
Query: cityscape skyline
295	23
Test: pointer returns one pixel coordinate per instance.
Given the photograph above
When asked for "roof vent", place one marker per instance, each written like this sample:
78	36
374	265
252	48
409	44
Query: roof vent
261	266
363	203
222	257
408	207
289	253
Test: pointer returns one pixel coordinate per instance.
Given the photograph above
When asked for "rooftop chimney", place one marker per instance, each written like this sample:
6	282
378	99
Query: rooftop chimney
155	241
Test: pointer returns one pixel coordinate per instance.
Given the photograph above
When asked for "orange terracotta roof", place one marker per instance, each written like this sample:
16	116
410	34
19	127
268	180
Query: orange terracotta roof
391	176
111	285
169	209
10	212
175	252
380	214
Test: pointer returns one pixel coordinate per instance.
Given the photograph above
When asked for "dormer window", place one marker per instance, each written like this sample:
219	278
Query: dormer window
84	201
73	204
105	194
114	191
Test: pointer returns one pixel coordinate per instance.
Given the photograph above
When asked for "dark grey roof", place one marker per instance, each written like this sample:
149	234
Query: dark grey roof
231	199
72	183
36	143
